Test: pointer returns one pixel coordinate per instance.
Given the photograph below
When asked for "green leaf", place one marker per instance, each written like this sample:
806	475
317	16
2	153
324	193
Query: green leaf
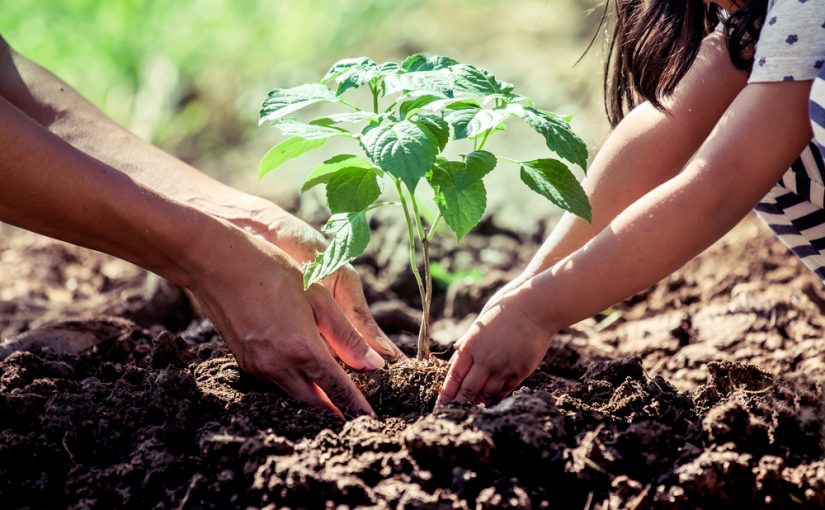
557	133
355	78
345	65
552	179
438	82
388	68
453	103
353	189
412	106
419	62
288	149
292	127
350	235
484	120
474	80
459	194
507	98
459	120
355	72
446	277
478	164
322	173
404	150
281	102
435	124
337	118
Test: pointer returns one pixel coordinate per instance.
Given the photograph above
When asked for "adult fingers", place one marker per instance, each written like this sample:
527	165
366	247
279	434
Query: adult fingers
303	390
340	389
349	294
460	364
347	343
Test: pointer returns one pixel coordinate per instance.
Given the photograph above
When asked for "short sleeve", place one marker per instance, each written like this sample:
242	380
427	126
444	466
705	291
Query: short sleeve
792	43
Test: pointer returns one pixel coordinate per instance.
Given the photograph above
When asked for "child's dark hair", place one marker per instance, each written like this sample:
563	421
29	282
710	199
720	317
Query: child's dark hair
655	42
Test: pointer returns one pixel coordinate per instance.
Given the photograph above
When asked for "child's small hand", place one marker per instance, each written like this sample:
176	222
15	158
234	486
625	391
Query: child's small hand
502	347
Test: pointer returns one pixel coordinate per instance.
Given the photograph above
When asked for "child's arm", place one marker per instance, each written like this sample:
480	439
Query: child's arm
753	144
647	148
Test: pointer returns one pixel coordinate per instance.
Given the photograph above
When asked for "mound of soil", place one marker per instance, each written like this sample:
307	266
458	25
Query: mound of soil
703	391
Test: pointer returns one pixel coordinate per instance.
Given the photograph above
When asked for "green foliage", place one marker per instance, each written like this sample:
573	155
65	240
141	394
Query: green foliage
286	150
160	68
350	233
446	277
404	149
552	179
354	189
430	100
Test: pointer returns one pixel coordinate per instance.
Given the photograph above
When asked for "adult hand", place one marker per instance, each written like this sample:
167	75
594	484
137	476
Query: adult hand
253	294
300	241
502	347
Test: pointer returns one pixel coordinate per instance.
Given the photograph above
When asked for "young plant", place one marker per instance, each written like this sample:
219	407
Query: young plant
419	108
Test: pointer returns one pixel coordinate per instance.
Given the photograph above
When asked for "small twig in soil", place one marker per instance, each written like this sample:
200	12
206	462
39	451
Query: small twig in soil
652	380
195	479
640	497
589	501
66	447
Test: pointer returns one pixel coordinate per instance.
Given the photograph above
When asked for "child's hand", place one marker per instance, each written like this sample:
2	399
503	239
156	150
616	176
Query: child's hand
502	347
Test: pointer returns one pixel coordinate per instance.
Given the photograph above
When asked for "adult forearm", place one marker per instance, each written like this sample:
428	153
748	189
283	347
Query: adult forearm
56	106
54	189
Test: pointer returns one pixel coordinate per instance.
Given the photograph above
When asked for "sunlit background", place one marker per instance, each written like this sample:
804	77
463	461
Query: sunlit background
190	76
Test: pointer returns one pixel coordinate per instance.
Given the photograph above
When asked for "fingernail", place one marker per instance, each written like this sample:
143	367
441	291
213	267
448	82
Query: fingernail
392	349
373	360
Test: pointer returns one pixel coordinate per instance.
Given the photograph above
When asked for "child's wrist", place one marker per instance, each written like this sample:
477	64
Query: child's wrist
534	306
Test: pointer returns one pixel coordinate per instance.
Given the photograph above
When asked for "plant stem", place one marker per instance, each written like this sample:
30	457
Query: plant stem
411	238
418	223
424	332
391	106
349	105
381	204
484	140
510	160
427	292
434	226
374	91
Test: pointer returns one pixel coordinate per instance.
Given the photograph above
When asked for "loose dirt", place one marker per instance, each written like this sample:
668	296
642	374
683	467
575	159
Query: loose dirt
705	390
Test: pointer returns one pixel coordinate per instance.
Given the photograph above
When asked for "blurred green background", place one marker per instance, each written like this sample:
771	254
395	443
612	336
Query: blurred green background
190	76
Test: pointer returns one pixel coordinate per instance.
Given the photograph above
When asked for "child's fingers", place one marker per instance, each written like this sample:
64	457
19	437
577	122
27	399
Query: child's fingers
472	384
491	392
460	364
508	387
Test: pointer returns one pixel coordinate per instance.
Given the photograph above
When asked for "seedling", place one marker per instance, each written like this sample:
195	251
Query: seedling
419	108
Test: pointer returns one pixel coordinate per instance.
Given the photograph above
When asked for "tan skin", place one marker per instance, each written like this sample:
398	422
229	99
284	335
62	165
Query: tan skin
663	188
70	172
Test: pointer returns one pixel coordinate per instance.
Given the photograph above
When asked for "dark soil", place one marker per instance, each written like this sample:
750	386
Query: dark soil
706	391
406	389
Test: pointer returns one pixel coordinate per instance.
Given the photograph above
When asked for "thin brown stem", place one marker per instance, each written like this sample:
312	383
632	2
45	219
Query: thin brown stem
427	288
424	332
